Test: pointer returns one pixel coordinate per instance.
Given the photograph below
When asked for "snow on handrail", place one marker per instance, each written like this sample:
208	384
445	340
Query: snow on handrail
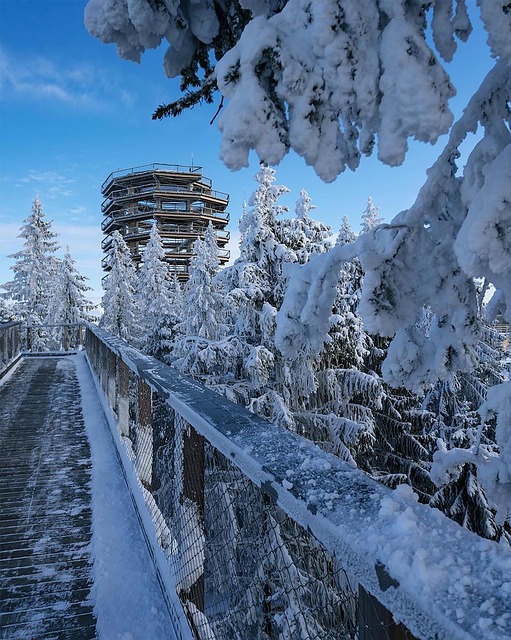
437	578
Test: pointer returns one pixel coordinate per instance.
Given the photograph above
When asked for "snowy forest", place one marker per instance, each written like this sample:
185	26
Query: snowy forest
381	348
221	327
377	344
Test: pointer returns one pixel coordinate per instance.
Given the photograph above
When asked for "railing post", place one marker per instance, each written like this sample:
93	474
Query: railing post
112	380
65	338
193	489
103	364
29	339
144	437
375	621
123	399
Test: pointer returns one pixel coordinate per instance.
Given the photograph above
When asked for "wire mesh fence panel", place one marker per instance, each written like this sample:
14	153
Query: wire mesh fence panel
250	556
10	344
266	577
244	570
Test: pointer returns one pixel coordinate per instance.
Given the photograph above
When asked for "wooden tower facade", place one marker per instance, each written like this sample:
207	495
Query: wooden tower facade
179	199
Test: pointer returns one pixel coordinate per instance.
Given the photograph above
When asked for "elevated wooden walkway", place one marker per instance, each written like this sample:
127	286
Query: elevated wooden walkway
45	506
74	562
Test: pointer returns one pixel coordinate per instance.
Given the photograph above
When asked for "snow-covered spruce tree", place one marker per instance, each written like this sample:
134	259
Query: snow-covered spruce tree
304	235
246	369
154	304
457	426
352	412
120	312
371	217
202	321
68	303
35	268
337	414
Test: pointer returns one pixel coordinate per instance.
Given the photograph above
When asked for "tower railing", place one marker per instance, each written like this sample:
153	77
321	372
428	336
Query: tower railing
155	166
267	537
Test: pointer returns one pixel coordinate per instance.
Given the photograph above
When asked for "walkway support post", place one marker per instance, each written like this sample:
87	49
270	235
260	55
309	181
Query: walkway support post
123	402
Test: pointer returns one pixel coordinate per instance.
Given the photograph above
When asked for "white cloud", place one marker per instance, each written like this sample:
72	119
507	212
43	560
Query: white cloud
41	78
75	84
49	183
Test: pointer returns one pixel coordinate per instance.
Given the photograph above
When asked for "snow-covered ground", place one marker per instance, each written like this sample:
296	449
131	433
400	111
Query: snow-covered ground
129	604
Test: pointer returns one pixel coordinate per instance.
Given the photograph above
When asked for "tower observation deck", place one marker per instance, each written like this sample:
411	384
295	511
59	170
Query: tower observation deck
179	199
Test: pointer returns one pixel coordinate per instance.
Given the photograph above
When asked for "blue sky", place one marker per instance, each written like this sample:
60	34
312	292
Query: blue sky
71	112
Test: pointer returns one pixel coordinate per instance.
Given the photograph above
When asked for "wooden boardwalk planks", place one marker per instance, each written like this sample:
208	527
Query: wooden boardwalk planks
45	512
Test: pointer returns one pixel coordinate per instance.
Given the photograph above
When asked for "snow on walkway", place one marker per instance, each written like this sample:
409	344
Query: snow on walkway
129	604
45	514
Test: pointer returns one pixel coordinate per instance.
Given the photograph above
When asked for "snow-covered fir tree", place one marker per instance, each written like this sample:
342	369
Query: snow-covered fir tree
155	306
351	412
304	235
35	268
69	303
202	321
371	217
120	311
253	287
461	435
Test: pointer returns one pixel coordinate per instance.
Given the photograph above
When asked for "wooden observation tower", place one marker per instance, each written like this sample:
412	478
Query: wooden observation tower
179	199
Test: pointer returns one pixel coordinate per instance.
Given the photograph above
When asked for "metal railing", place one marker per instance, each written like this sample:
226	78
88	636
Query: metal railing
205	212
10	345
150	188
187	230
53	338
268	537
155	166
